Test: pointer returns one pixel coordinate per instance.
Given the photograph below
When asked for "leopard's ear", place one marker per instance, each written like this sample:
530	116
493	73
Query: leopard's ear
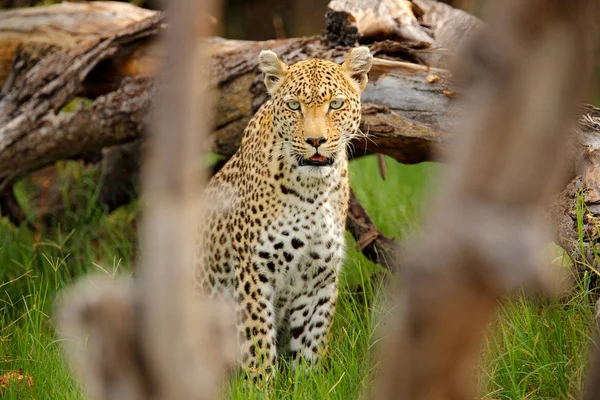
357	66
273	68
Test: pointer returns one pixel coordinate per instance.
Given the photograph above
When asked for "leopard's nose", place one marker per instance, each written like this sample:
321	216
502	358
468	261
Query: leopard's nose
316	141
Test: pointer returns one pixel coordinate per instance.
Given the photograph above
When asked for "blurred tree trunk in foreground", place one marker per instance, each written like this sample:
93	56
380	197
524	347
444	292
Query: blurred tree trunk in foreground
522	78
150	338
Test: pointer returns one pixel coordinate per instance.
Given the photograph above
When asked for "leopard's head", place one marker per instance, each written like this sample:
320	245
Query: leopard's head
315	106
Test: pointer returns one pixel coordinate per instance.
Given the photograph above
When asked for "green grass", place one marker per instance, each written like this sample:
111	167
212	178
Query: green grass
538	349
533	349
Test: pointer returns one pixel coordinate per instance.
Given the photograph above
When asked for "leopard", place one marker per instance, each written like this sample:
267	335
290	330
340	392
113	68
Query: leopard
272	237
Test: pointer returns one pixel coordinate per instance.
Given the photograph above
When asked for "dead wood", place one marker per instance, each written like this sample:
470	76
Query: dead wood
417	105
372	243
452	28
485	233
348	21
576	209
118	117
65	26
30	130
409	128
407	109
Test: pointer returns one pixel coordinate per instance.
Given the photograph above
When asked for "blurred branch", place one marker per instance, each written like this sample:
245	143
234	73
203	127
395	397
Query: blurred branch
524	75
151	339
169	311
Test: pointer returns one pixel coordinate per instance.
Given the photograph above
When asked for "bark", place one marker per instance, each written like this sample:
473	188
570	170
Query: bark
63	26
452	29
348	21
28	109
118	117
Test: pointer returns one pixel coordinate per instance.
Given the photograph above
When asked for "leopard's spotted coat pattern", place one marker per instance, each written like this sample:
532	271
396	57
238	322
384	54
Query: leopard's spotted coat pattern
273	236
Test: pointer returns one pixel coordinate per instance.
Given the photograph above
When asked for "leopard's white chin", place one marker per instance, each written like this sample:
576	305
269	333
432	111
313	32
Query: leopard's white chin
318	172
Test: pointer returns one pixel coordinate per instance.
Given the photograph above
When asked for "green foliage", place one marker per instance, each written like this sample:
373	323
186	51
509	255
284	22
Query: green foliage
533	349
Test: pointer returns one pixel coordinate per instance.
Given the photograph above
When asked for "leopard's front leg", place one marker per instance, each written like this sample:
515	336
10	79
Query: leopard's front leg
312	315
255	321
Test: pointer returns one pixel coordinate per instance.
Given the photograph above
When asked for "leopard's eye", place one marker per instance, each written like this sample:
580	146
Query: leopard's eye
336	104
293	105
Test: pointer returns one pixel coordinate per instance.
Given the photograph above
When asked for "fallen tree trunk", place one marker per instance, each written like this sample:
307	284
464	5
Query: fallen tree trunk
407	106
406	115
32	135
403	111
65	26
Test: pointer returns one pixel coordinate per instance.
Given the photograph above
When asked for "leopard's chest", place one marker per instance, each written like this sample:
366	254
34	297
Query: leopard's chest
305	241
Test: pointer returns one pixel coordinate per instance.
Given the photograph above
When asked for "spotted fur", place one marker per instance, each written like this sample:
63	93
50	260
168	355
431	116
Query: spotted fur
273	236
